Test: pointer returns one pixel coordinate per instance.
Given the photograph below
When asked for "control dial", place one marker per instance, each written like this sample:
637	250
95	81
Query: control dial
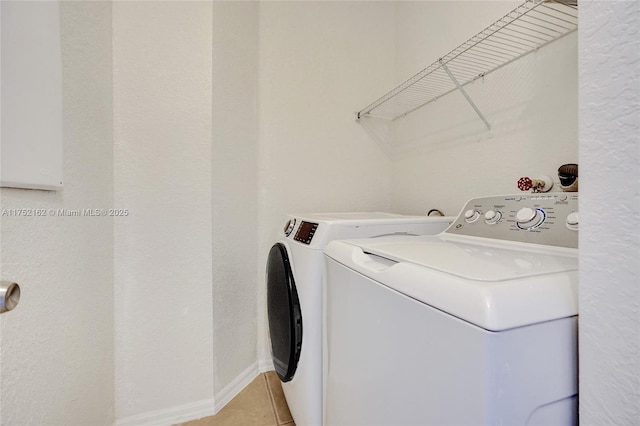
492	217
573	221
528	218
471	216
288	227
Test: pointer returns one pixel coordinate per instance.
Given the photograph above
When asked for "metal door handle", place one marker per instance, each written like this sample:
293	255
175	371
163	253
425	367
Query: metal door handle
9	296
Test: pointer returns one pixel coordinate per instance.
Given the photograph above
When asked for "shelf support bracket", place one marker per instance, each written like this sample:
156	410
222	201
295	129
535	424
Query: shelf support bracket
464	93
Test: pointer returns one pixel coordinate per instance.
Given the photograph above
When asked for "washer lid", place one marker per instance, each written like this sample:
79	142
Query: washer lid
359	217
478	262
494	287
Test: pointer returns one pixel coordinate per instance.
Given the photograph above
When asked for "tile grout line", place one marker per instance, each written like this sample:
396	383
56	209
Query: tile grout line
271	398
274	405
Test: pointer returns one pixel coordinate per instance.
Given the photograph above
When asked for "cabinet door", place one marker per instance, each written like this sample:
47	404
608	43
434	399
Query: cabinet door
31	92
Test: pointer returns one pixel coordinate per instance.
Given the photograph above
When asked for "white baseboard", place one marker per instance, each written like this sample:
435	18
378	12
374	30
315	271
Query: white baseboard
236	385
198	409
265	365
172	415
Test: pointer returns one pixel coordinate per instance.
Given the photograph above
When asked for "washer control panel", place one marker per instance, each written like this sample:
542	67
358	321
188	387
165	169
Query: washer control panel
549	219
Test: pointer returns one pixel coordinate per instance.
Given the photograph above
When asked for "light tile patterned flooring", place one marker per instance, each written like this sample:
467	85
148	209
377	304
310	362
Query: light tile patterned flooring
261	403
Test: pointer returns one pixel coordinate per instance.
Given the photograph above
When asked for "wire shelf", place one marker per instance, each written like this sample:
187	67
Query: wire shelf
530	26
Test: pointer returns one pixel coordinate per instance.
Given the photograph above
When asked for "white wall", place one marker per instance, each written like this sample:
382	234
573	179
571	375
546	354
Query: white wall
234	185
318	62
196	86
609	213
201	316
164	349
444	154
56	357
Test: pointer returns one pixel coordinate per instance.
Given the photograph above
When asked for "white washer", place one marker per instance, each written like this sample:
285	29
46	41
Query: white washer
294	295
474	326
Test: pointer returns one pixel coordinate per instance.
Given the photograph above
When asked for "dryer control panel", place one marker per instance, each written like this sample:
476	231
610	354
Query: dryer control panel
306	231
548	219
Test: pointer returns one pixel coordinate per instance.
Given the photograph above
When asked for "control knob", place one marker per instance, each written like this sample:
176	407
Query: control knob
471	215
492	217
573	221
288	227
528	218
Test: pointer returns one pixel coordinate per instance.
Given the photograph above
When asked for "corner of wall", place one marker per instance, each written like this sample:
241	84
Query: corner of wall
609	212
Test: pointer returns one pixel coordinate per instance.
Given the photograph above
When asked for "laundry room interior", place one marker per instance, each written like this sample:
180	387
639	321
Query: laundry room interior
202	124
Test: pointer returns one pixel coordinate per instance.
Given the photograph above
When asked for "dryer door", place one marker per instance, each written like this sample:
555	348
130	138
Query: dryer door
285	318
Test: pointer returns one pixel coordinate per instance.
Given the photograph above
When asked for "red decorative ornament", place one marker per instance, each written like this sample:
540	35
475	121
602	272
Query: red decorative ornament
525	184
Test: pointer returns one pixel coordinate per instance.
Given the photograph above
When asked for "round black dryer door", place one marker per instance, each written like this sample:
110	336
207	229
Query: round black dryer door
285	318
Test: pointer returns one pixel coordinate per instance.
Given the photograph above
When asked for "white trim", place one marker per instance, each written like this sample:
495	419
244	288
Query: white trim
238	384
198	409
171	416
265	365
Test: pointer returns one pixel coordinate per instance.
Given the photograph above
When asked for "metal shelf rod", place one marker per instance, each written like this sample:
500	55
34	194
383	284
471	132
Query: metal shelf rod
525	29
466	96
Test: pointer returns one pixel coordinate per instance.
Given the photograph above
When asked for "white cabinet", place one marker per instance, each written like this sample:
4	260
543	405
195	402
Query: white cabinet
31	91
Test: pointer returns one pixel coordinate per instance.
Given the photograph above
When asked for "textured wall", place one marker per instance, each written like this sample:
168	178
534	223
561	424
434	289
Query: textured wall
187	166
445	155
234	186
319	61
609	213
162	174
57	350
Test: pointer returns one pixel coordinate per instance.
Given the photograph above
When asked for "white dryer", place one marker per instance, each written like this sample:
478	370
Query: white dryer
294	295
474	326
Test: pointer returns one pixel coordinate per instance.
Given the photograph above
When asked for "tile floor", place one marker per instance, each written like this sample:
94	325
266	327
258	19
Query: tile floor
261	403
